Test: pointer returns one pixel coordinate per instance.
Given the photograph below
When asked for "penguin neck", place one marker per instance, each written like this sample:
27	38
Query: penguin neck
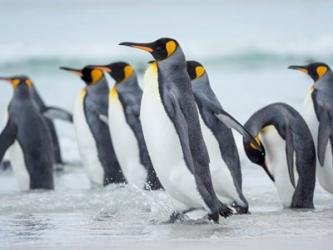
37	98
260	120
100	88
128	84
202	90
325	84
174	62
201	84
22	92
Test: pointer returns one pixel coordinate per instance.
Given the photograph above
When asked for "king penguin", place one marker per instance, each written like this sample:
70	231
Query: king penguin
126	130
172	131
28	137
50	113
225	164
319	116
93	136
286	153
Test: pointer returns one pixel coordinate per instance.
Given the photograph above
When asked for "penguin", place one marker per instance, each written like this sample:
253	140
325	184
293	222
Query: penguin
286	153
50	113
126	130
172	131
223	153
93	136
319	115
29	139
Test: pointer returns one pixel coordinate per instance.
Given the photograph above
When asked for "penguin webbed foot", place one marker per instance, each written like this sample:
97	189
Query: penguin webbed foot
240	209
174	217
225	211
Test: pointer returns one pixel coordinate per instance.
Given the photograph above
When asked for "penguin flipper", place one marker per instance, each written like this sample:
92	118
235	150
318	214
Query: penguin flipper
290	156
181	125
57	113
104	119
7	137
232	123
324	133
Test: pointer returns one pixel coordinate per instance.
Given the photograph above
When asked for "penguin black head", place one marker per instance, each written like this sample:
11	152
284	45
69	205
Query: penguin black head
255	151
119	71
314	70
195	70
19	80
89	74
160	49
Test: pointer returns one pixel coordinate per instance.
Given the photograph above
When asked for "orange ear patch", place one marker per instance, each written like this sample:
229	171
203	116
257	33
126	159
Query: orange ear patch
28	83
128	71
96	75
199	71
321	70
171	47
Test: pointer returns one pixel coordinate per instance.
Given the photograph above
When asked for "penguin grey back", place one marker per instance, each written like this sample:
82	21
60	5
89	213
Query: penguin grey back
208	105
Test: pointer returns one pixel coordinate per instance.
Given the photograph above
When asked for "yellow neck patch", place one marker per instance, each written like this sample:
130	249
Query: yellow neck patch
153	66
83	93
321	70
15	83
128	72
113	92
199	71
96	75
171	47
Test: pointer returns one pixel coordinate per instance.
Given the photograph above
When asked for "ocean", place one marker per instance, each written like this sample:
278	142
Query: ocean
246	47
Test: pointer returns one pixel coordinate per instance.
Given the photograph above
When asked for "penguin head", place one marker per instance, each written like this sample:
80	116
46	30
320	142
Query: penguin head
195	70
119	71
255	151
89	74
315	70
19	80
160	49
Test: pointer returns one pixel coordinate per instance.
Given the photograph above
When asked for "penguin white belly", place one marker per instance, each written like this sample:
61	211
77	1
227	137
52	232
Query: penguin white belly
221	176
164	146
324	173
86	143
125	143
16	157
276	160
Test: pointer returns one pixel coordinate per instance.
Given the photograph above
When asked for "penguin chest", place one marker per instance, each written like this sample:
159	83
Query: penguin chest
164	146
324	173
276	161
221	176
125	143
86	143
17	161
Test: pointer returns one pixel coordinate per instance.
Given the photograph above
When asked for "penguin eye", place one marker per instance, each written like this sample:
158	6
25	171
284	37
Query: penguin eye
159	48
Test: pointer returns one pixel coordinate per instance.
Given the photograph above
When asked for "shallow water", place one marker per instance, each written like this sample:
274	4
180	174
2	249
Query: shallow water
75	216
